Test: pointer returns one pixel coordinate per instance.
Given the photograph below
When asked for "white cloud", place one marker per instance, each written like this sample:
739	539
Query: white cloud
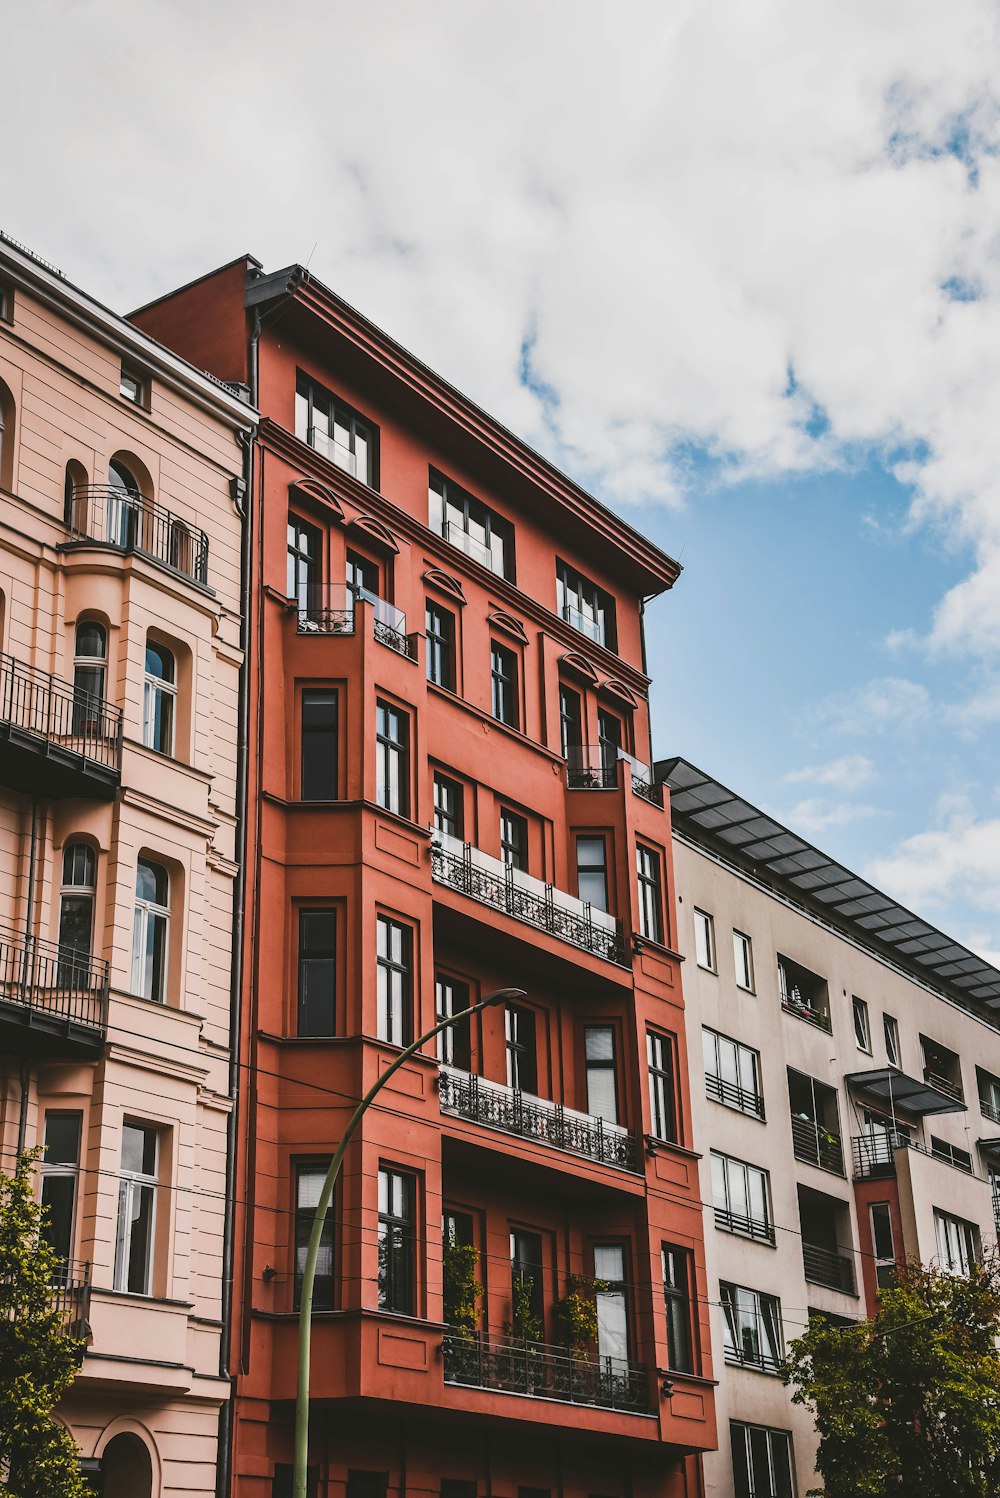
958	861
887	702
816	814
845	774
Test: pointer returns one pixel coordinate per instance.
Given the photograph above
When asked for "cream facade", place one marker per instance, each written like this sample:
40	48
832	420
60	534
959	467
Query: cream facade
121	476
843	1100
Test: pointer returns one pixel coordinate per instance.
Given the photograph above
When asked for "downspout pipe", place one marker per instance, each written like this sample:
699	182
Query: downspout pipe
29	927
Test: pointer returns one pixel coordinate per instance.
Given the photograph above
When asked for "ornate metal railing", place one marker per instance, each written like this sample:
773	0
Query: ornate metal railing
396	639
875	1154
734	1096
326	609
513	1366
758	1228
824	1267
594	767
72	1296
125	519
817	1145
54	710
529	1117
55	982
492	882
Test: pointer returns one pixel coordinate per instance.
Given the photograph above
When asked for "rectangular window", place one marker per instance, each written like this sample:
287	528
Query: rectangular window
447	806
363	578
503	669
741	1195
989	1095
751	1328
570	722
743	961
891	1031
440	627
704	940
319	746
60	1170
137	1189
367	1484
333	429
592	871
394	981
528	1310
953	1154
473	527
308	1185
281	1487
522	1048
584	605
610	743
883	1247
317	972
862	1026
132	387
732	1073
396	1242
455	1043
762	1461
602	1089
458	1487
513	839
662	1102
392	741
647	865
303	565
612	1306
677	1281
957	1245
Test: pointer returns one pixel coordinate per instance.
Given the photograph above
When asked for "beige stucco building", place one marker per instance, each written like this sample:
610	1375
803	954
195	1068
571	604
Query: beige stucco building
845	1076
121	476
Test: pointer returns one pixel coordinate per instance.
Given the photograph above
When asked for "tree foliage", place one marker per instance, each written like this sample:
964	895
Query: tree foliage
908	1402
38	1457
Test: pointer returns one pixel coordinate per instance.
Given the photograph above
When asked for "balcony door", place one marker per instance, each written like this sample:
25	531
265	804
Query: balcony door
612	1306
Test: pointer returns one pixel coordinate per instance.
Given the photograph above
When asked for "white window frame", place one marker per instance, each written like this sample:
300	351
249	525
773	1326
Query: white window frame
153	687
759	1313
957	1249
732	1183
145	912
130	1182
862	1024
742	1090
704	940
743	961
770	1432
890	1026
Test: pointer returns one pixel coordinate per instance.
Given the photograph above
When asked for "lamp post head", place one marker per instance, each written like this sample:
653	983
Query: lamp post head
504	996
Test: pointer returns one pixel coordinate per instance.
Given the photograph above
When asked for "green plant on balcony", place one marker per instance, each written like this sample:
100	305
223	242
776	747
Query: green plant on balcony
525	1323
576	1314
462	1290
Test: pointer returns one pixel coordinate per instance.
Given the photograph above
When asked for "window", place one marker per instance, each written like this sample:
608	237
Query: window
395	982
76	912
570	721
6	310
470	525
513	839
952	1154
527	1308
396	1242
60	1170
989	1095
743	961
602	1091
677	1282
90	660
751	1328
815	1119
503	669
132	387
159	697
123	511
585	606
281	1487
891	1031
447	806
609	743
662	1106
803	993
333	429
149	932
319	770
367	1484
883	1247
137	1189
308	1186
592	871
364	577
612	1306
862	1026
440	627
458	1487
317	972
522	1051
647	865
392	736
956	1243
704	940
741	1195
762	1462
732	1073
303	564
454	1044
942	1067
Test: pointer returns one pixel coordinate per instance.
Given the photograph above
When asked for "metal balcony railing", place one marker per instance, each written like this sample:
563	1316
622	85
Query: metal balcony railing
131	522
942	1084
802	1010
492	882
513	1366
734	1096
328	609
72	1296
53	982
817	1145
988	1109
55	711
875	1154
758	1228
521	1113
825	1267
591	767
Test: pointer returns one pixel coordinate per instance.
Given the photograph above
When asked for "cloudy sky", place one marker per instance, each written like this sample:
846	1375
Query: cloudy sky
735	264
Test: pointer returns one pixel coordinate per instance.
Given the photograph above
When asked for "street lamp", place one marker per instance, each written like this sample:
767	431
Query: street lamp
501	996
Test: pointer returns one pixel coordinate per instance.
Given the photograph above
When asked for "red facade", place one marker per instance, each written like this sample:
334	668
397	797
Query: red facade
410	852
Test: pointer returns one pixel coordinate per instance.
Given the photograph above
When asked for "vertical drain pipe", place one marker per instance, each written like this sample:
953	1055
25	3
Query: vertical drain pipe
22	1122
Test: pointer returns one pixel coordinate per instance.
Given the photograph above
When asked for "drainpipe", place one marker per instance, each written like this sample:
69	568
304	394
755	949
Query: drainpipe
29	921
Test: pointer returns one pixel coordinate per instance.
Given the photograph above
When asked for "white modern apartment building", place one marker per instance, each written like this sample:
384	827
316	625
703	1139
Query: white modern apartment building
845	1072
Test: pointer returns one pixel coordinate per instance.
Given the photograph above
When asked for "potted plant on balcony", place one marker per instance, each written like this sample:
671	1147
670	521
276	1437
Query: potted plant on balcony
525	1331
462	1294
576	1329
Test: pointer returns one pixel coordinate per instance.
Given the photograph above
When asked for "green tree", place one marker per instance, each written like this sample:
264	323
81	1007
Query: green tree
38	1457
908	1402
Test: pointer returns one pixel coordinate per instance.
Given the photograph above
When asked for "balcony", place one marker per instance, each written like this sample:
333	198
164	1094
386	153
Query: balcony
943	1084
54	738
130	522
53	1000
757	1228
465	868
72	1298
512	1366
824	1267
329	610
589	767
458	537
734	1096
874	1154
816	1145
585	624
334	452
803	994
528	1117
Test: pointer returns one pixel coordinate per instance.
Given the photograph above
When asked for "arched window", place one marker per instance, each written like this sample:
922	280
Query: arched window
158	698
75	496
6	437
149	933
90	661
126	1470
123	505
76	912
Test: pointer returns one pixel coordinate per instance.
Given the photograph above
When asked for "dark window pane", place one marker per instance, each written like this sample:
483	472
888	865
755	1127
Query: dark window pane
367	1484
319	746
317	972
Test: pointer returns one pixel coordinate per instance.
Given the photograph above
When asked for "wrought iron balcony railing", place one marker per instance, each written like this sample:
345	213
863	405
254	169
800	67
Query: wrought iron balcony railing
131	522
521	1113
514	1366
824	1267
492	882
54	983
72	1296
874	1154
328	609
594	767
817	1145
55	711
734	1096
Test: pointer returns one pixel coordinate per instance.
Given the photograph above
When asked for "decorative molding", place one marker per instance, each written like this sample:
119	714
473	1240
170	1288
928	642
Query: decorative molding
618	689
508	623
437	578
375	531
573	661
320	493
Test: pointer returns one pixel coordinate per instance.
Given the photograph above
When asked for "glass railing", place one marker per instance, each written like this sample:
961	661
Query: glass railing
456	536
584	623
59	713
515	1366
336	452
328	609
594	767
131	522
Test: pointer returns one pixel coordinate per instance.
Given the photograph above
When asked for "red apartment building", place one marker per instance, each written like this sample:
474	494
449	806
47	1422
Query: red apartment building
449	794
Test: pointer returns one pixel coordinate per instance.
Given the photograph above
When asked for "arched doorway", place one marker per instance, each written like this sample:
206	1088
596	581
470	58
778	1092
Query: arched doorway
126	1470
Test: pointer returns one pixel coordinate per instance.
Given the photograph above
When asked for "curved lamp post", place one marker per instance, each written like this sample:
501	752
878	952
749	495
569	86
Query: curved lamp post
501	996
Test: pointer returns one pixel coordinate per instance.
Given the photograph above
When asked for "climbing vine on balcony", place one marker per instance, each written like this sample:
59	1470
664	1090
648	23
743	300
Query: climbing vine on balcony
576	1314
462	1290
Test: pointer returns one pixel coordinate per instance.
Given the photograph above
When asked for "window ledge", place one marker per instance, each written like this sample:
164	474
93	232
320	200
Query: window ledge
654	1146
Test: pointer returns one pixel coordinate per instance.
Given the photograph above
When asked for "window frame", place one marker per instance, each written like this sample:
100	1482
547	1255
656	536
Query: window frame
570	721
403	1227
449	494
948	1227
602	1066
454	1045
159	702
58	1171
725	1170
890	1028
765	1314
305	954
76	891
447	784
354	420
661	1069
735	1095
505	677
513	840
309	735
704	941
138	395
394	980
743	961
440	633
129	1182
678	1309
862	1024
593	605
521	1053
304	571
745	1483
88	703
392	758
649	882
149	913
593	870
304	1215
